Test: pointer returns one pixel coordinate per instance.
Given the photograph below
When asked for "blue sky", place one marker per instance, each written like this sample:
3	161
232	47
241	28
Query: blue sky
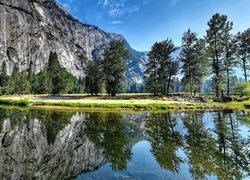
143	22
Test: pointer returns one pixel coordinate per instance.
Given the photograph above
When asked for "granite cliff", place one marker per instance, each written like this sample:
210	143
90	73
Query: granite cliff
31	29
55	145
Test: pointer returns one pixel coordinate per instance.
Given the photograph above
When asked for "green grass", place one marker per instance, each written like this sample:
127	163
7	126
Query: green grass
103	105
10	102
149	106
119	104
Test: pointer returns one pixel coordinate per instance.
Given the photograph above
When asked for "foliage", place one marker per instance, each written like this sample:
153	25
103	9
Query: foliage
194	65
94	77
59	78
217	35
113	67
243	88
79	86
161	67
243	51
132	87
107	131
4	80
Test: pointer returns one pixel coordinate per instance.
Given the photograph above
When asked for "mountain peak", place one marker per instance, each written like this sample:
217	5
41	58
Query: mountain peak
31	29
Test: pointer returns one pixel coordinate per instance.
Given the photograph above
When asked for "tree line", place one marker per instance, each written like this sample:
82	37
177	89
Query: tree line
214	57
54	79
101	75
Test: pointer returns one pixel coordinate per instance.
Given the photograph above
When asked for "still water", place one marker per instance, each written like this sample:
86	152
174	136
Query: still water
40	144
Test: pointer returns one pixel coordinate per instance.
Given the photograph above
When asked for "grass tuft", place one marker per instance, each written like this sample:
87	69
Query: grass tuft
10	102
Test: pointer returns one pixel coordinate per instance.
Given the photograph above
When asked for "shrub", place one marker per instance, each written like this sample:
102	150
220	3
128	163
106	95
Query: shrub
243	88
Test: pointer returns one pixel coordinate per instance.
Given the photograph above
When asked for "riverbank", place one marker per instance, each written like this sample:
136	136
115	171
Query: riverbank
124	102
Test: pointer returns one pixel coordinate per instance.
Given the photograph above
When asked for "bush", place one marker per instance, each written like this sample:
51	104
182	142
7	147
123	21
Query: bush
243	88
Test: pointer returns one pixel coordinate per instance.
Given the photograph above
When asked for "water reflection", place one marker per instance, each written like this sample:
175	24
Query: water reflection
107	131
220	151
165	140
64	145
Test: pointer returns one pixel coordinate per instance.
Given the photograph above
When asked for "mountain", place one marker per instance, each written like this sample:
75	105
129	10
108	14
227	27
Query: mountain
55	145
31	29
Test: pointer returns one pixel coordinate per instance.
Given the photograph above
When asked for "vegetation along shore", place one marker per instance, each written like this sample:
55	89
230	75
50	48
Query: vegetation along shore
124	102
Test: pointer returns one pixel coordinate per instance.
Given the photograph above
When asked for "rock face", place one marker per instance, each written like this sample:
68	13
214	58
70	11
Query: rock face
31	29
27	152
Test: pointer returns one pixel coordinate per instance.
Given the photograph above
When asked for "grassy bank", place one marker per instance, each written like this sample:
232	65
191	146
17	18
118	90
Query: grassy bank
123	104
13	102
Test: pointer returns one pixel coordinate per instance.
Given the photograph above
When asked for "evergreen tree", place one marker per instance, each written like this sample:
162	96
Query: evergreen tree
168	67
229	61
60	80
113	66
243	51
194	64
40	82
151	72
219	28
22	84
94	77
4	80
13	83
161	67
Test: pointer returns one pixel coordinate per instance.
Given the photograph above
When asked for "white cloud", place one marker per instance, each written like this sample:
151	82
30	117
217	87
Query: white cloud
116	13
115	22
117	8
103	3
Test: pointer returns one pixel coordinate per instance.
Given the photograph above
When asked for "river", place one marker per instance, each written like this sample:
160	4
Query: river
54	144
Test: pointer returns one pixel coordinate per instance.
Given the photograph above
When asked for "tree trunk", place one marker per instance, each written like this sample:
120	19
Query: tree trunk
244	68
217	81
228	82
168	85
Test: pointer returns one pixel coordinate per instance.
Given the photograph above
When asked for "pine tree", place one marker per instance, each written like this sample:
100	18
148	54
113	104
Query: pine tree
161	67
22	84
40	82
219	29
13	83
94	77
4	80
243	51
229	61
193	61
151	72
60	80
113	66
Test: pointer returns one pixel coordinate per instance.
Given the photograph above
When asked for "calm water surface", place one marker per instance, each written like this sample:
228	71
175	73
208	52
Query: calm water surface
39	144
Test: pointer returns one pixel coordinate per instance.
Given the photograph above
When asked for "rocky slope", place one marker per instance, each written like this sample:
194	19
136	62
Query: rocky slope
26	154
30	29
27	151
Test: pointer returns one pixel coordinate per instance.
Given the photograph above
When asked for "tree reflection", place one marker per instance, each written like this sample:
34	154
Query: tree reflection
106	130
220	151
165	140
198	145
231	156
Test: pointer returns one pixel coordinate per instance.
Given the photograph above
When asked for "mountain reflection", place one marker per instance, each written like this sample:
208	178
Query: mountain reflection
61	145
